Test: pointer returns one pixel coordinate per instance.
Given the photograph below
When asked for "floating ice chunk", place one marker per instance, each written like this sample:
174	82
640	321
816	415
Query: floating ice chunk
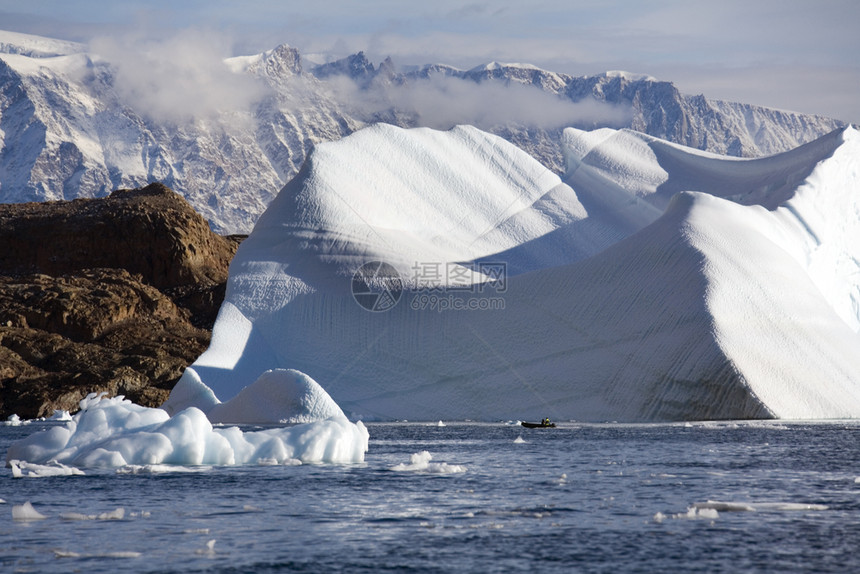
209	550
15	421
704	513
724	506
712	508
23	469
118	433
440	424
60	415
26	512
117	514
788	506
694	513
519	440
420	462
757	506
119	554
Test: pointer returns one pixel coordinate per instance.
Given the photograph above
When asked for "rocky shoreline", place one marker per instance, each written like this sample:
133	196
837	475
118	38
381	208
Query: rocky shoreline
116	294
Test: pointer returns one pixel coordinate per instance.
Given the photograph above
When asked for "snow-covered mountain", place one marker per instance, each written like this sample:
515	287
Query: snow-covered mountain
74	123
422	274
68	132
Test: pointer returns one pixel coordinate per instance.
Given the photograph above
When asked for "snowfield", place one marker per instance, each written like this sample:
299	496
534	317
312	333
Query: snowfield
654	283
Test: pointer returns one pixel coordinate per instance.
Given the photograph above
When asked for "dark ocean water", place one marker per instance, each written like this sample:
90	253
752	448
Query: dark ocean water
578	498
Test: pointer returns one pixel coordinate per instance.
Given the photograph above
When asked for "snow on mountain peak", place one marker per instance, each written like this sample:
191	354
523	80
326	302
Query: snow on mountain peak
630	77
36	46
501	66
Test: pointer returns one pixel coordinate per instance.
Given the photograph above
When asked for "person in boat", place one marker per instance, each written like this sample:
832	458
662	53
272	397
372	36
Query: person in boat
545	422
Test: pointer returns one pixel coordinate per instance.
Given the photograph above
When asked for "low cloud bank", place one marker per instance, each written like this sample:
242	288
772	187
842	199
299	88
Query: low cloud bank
177	78
183	77
441	102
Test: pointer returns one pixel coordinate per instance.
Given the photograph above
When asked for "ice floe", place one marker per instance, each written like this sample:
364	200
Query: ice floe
420	462
114	432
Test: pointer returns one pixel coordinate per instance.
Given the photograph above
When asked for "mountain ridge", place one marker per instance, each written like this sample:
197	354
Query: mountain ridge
70	127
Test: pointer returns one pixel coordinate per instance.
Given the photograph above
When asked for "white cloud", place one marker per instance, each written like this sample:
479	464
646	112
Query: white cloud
179	77
442	102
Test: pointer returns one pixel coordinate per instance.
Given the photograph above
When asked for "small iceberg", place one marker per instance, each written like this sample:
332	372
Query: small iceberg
114	432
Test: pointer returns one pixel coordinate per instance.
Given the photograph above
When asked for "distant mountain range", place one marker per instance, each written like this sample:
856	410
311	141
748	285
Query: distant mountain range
74	124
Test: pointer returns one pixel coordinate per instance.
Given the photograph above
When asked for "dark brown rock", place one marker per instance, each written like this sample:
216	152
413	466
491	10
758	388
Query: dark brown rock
115	295
150	231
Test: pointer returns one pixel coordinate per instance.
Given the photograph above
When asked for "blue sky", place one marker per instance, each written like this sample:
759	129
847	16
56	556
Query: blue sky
790	54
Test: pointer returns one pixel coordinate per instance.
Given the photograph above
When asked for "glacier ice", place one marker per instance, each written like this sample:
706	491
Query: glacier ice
654	282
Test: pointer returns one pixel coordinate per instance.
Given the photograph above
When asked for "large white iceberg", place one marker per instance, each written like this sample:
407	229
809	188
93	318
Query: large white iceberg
418	274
